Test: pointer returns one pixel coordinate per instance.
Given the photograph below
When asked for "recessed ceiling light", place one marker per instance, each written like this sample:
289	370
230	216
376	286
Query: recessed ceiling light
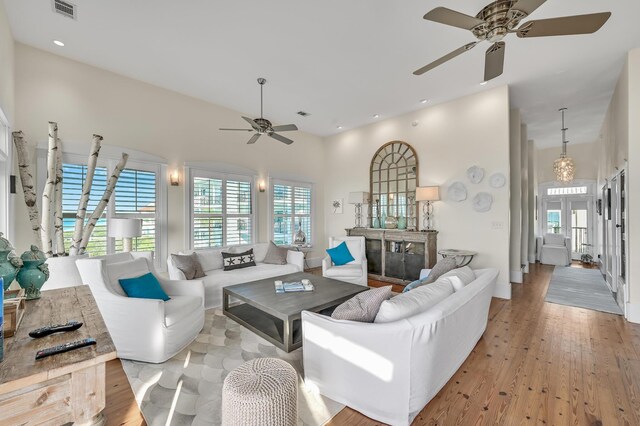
424	101
483	83
58	43
339	127
376	115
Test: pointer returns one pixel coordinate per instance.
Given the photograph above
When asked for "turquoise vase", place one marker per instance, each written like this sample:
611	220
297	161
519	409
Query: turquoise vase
376	223
34	273
9	262
402	222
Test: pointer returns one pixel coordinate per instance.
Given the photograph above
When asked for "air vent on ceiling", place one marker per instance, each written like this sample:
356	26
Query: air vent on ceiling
65	8
303	113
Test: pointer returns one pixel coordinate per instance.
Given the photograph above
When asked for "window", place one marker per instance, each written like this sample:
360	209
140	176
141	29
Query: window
570	190
291	210
222	210
135	197
73	177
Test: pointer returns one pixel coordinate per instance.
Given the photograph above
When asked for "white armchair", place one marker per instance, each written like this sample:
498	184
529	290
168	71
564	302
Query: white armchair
144	329
554	249
354	272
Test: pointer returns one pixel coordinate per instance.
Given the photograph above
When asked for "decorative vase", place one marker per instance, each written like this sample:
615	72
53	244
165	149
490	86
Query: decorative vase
300	237
376	223
9	263
402	222
383	220
391	222
34	272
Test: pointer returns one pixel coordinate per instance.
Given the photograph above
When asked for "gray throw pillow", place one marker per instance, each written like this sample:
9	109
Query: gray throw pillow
189	265
442	267
363	307
276	255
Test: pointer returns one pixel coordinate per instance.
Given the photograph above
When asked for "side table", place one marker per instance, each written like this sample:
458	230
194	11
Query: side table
462	257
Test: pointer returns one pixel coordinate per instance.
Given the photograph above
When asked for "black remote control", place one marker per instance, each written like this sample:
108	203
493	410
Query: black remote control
45	331
65	348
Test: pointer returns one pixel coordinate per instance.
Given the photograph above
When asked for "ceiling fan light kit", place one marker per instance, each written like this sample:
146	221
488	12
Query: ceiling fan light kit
262	126
501	18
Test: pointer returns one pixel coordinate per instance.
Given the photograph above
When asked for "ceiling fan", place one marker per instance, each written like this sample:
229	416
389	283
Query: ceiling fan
262	126
501	18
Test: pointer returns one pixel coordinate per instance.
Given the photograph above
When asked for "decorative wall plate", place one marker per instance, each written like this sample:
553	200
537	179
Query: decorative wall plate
475	174
497	180
482	202
457	192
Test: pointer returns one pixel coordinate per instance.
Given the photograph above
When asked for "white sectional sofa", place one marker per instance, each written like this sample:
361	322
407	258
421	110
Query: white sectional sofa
389	371
217	278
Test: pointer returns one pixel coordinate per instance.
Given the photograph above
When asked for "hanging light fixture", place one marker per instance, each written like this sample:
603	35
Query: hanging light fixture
563	167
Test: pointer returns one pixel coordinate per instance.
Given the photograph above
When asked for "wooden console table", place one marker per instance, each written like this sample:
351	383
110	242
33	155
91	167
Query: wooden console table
63	388
397	256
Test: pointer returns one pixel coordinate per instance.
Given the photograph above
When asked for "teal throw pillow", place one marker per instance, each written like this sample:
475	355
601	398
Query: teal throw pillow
144	287
340	255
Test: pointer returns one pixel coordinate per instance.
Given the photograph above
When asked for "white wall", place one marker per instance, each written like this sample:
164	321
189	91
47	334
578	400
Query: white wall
533	197
6	66
515	159
524	201
7	121
448	138
86	100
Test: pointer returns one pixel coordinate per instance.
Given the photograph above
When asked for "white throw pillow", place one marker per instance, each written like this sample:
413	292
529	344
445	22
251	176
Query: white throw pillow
129	269
456	282
465	274
415	301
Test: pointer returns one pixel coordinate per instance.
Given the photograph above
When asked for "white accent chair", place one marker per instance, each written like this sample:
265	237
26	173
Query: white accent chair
145	330
554	249
354	272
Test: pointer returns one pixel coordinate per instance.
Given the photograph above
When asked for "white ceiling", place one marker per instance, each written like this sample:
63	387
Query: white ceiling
341	61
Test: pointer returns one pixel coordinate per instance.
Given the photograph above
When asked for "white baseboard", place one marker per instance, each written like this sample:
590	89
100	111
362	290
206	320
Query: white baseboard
633	312
515	277
314	262
502	291
526	269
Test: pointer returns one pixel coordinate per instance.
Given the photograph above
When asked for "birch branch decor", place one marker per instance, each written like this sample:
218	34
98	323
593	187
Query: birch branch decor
76	240
26	178
47	194
58	220
95	216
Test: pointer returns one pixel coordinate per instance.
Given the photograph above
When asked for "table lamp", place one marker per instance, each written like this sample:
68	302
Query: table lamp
127	229
427	194
358	198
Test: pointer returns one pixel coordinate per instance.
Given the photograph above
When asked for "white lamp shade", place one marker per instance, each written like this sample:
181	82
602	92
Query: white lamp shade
428	193
358	198
125	228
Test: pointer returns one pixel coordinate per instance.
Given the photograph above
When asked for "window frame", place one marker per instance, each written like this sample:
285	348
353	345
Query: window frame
194	172
6	200
136	161
272	182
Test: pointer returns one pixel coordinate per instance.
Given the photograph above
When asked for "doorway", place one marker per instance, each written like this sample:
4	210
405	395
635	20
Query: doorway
614	229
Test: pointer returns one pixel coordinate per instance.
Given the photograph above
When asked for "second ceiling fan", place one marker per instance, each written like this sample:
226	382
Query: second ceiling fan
262	126
501	18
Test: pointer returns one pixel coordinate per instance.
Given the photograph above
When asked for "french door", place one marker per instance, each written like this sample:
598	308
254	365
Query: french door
571	216
615	237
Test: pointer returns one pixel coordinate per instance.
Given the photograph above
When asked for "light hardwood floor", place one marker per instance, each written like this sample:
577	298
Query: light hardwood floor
537	363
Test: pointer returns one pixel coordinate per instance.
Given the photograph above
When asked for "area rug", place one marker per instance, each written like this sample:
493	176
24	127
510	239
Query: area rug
187	389
582	288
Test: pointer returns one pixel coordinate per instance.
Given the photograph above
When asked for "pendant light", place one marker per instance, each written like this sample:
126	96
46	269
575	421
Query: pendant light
563	166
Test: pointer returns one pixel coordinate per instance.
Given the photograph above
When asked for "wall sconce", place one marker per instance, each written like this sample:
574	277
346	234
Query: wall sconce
262	186
174	178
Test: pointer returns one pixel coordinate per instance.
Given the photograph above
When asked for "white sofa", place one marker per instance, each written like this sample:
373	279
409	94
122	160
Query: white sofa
390	371
354	272
217	278
145	330
554	249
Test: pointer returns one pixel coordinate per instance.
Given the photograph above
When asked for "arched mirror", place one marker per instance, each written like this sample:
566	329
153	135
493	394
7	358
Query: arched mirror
393	183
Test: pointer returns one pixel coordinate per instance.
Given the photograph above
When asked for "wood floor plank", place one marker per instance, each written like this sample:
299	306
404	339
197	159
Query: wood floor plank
537	363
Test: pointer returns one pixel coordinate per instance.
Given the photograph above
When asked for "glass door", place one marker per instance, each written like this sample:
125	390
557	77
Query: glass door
580	219
553	220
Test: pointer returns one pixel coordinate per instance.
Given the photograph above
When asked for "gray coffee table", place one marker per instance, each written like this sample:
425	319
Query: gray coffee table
276	317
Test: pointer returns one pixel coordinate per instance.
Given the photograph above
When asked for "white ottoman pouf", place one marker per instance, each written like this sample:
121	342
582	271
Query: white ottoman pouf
261	392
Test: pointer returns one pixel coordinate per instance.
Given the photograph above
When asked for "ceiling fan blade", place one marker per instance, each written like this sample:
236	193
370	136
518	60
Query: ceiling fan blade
527	6
445	58
446	16
254	138
281	138
285	128
566	25
253	123
239	130
494	61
